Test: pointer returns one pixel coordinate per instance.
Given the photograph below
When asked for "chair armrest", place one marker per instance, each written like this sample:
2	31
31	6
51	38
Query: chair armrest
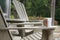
19	20
15	28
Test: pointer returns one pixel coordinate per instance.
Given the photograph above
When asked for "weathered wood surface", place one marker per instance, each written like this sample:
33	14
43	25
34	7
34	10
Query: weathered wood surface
41	28
47	35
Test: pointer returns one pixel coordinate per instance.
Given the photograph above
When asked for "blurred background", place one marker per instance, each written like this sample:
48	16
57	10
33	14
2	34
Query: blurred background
36	9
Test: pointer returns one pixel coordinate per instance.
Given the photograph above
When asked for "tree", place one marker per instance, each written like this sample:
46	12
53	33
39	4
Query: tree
38	7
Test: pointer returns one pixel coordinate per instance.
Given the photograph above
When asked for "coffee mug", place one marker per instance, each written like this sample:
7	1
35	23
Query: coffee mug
48	22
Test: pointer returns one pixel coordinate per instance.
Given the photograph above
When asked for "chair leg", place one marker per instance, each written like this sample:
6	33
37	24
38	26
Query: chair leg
47	34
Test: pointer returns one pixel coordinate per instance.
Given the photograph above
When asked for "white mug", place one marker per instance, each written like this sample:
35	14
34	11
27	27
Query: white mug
48	22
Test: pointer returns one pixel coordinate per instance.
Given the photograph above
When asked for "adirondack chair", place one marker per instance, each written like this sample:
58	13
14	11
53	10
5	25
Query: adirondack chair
22	14
6	35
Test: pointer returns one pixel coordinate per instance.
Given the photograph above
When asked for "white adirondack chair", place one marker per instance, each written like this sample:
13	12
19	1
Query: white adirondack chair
8	36
22	13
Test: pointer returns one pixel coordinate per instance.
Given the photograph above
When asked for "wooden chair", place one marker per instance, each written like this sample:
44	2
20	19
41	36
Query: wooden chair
6	35
23	15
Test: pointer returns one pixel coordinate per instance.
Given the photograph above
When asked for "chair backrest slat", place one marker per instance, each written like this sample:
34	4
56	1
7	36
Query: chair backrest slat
20	10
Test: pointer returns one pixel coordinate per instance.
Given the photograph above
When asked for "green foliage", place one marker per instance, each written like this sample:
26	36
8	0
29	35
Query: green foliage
12	16
57	15
38	7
